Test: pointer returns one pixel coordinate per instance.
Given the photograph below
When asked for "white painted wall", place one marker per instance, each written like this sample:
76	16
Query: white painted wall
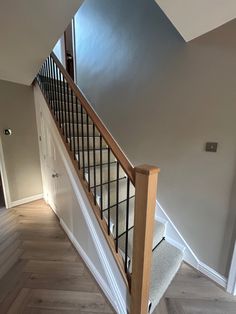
194	18
162	100
67	197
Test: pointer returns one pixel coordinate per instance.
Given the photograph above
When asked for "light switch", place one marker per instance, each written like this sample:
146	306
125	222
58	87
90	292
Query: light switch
211	147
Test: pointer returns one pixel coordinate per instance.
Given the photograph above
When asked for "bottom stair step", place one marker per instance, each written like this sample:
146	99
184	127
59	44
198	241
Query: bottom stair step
158	234
166	262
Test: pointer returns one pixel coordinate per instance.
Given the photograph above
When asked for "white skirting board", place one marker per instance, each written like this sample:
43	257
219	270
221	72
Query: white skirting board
26	200
212	274
231	287
174	237
90	265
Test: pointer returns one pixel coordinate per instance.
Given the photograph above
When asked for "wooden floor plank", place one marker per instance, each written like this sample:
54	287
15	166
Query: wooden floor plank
62	282
68	300
50	277
20	303
54	268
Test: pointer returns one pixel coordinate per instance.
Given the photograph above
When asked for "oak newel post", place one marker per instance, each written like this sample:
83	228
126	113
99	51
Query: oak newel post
145	201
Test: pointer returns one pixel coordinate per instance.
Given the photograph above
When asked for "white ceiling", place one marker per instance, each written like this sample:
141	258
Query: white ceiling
193	18
29	30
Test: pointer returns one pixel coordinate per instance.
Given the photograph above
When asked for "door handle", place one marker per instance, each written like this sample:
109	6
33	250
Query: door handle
55	175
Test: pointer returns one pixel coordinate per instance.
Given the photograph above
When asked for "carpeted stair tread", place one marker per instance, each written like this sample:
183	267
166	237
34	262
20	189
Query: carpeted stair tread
158	234
166	261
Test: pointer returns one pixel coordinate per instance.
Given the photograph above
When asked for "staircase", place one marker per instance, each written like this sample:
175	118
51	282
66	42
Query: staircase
123	197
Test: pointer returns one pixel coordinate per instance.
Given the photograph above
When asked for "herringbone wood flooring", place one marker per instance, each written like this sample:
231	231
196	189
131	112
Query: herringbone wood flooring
49	277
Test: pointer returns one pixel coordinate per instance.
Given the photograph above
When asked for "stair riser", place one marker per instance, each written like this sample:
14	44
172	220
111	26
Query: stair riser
97	158
122	215
113	174
73	117
78	132
47	82
77	143
62	96
113	194
158	234
71	107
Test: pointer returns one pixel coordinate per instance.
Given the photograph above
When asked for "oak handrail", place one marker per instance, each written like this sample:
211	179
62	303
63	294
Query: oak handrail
111	142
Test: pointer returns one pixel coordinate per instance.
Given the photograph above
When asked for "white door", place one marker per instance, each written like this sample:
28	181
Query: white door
51	174
48	156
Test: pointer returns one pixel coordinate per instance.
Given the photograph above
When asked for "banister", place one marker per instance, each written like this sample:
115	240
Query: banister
115	148
69	107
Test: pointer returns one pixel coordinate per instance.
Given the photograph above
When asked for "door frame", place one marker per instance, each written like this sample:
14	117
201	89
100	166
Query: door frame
72	26
5	185
73	47
231	286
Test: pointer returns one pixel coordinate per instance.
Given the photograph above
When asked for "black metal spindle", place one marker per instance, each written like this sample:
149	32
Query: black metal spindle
94	167
73	123
48	82
64	109
45	77
64	125
127	225
55	103
77	129
54	95
51	82
39	77
44	82
68	114
60	99
82	131
88	150
101	183
117	204
109	190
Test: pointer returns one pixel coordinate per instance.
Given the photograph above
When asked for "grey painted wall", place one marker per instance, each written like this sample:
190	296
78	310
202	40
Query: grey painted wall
163	99
21	152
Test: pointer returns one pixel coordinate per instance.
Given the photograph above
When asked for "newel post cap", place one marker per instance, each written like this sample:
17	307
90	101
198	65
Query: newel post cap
147	169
